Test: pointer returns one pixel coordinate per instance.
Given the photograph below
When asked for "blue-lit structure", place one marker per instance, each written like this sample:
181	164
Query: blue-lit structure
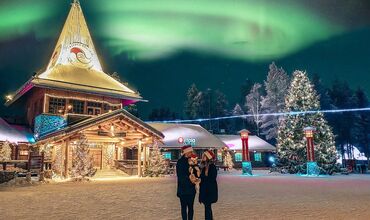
247	168
312	168
46	124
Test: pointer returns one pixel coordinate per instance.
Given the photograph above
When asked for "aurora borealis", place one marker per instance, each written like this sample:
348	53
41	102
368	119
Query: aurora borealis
181	42
248	30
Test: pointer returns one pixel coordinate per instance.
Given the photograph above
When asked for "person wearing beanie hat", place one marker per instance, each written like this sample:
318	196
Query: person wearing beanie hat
185	184
187	149
208	192
209	154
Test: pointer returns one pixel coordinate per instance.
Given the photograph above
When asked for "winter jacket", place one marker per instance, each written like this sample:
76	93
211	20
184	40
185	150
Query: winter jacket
184	185
208	192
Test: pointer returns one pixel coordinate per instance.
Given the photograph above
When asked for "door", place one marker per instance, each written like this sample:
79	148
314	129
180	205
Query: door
97	157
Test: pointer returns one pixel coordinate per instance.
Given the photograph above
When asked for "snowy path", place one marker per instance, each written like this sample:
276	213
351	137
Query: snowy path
263	197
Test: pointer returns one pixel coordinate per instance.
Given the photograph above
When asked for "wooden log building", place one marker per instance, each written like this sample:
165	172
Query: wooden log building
74	96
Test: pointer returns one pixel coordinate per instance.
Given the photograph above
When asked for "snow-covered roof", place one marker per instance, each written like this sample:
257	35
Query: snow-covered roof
255	143
14	134
178	135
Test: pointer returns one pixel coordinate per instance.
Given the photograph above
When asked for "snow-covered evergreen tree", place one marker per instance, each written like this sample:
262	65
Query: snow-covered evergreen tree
253	104
220	108
237	110
157	165
291	140
237	123
5	151
191	95
276	86
82	163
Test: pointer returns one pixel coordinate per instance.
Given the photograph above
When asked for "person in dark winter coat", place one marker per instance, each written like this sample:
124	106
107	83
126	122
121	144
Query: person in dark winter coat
208	193
185	185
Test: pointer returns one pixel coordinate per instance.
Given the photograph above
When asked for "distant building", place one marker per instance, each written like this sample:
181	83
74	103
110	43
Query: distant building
262	153
18	136
178	135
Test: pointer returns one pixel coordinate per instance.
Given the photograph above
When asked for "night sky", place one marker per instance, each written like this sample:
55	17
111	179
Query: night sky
160	47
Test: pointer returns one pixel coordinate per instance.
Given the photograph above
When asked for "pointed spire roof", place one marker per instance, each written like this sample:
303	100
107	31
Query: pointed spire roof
75	46
75	66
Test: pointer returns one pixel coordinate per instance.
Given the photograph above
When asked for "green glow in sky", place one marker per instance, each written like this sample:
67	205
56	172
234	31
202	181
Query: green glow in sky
249	30
18	17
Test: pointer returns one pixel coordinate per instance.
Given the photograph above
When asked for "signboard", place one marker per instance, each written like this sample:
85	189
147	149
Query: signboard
109	134
187	141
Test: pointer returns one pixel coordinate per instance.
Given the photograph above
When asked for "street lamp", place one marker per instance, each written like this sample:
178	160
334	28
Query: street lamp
312	168
246	163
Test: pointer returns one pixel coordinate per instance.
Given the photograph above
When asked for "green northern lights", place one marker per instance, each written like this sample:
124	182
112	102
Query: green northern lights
250	30
19	17
161	47
247	30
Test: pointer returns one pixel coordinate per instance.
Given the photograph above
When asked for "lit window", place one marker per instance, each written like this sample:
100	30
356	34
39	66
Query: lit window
257	156
23	152
56	106
219	157
238	157
77	106
94	108
167	155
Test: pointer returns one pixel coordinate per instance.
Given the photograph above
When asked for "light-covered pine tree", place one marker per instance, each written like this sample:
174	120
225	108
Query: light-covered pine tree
5	151
82	163
228	159
291	145
58	164
276	86
157	165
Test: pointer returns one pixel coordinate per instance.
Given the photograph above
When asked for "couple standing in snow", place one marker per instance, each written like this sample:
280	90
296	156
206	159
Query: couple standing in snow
189	176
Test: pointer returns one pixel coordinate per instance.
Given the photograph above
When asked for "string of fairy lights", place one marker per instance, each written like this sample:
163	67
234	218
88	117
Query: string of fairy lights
276	114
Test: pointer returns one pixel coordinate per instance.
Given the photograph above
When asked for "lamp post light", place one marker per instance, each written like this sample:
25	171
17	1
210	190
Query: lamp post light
246	161
312	168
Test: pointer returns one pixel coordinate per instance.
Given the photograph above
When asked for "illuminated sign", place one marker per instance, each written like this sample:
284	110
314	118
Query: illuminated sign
187	141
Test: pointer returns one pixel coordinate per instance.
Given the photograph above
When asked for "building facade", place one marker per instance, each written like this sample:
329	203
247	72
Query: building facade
74	98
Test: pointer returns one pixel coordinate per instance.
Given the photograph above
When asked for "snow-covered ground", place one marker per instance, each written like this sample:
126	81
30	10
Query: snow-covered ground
261	197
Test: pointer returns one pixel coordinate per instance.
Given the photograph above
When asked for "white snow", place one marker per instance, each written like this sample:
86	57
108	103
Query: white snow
260	197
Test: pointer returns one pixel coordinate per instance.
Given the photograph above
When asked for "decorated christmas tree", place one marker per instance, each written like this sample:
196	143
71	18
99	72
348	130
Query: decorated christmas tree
5	151
291	140
157	165
82	163
58	165
228	160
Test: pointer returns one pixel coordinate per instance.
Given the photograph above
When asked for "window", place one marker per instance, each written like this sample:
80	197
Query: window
94	104
257	156
238	157
167	155
219	156
56	105
94	108
77	106
108	107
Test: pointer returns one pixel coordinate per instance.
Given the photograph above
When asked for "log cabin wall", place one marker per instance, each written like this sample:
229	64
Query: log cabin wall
19	151
38	102
35	105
